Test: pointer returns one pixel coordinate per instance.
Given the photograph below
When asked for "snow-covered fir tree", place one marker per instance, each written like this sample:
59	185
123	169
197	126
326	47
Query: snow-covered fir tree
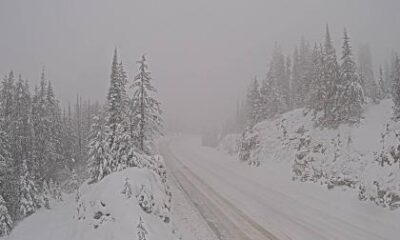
254	103
41	131
146	110
8	186
270	98
99	158
350	93
70	140
127	191
123	149
45	195
115	99
365	66
7	99
6	222
296	85
29	195
21	126
331	79
318	88
396	88
381	85
118	134
301	74
274	99
277	74
141	230
54	132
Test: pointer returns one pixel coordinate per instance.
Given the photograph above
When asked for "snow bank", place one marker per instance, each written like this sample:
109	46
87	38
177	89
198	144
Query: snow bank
109	209
363	156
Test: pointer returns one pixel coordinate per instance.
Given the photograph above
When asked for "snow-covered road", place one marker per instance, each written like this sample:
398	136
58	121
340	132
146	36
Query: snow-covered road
242	202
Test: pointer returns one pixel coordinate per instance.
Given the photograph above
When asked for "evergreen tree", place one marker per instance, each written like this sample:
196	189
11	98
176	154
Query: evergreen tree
21	126
7	100
54	133
350	92
141	230
366	71
124	147
275	89
19	135
146	109
115	99
6	222
29	195
124	144
117	115
387	78
41	131
381	84
8	185
296	80
127	191
331	78
271	101
305	62
69	140
254	103
318	90
281	82
99	159
302	73
396	88
289	75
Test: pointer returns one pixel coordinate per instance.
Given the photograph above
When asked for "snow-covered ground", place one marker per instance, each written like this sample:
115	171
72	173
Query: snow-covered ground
104	212
364	157
264	200
215	196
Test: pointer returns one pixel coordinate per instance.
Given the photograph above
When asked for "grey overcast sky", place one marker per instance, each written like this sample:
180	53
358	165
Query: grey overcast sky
202	53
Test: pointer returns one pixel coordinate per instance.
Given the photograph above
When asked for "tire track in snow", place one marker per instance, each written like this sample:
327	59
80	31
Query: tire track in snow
223	218
351	230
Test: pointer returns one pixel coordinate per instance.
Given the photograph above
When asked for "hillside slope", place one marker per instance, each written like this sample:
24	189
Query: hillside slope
364	157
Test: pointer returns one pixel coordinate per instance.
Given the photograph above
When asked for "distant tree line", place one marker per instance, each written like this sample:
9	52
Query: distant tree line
334	89
40	146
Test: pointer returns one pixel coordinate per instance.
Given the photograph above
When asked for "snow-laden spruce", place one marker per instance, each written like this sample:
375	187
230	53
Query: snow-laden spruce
125	131
146	112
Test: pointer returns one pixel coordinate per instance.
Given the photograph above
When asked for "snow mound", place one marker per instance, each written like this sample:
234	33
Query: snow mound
364	156
109	209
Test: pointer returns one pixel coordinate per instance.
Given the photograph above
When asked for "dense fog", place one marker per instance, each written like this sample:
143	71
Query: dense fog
203	53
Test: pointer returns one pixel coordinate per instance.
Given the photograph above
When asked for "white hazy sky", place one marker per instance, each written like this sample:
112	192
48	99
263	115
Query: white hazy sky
202	53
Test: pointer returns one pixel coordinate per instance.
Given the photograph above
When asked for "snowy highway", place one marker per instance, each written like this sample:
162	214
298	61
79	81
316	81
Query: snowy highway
242	202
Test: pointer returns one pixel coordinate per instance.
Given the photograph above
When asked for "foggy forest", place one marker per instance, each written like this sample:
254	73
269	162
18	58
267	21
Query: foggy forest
199	120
